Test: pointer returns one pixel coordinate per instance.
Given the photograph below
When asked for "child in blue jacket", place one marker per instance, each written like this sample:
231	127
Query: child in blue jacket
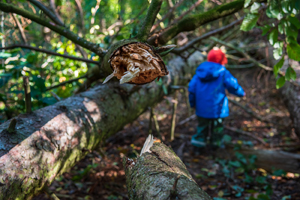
207	95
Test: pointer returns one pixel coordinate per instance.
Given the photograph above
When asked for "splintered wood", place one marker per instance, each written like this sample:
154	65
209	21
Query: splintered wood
136	63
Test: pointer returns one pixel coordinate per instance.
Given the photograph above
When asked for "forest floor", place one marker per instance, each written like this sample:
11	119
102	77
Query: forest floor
100	174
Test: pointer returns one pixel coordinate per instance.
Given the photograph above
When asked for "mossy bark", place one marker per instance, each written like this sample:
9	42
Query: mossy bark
160	175
49	141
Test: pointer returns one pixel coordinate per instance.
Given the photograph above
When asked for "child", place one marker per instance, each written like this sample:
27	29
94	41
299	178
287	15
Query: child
207	95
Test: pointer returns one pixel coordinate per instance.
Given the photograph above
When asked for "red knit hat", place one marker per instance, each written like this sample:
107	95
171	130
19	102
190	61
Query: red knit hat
217	56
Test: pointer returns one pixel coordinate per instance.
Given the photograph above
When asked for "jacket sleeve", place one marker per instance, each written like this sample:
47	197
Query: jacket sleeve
192	91
231	84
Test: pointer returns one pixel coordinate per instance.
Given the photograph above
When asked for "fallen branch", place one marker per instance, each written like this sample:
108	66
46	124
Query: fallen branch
245	133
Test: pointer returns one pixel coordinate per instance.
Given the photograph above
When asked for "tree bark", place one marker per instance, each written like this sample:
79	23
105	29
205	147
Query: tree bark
291	97
51	140
160	175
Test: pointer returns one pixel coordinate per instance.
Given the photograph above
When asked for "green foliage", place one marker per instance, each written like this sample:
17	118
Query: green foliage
282	22
280	82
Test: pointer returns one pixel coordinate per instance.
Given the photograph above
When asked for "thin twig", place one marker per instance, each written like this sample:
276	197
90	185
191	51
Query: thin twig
53	7
245	133
23	36
64	83
24	46
27	94
173	123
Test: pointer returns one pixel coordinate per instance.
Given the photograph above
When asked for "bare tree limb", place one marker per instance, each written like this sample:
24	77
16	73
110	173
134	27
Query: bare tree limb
66	82
47	12
23	46
205	36
23	36
192	22
149	19
60	30
167	15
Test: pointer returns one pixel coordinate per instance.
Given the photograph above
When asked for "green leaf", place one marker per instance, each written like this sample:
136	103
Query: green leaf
249	22
281	27
290	74
293	50
274	9
247	3
4	55
4	78
255	8
265	29
290	30
278	66
273	37
280	82
294	21
235	163
277	52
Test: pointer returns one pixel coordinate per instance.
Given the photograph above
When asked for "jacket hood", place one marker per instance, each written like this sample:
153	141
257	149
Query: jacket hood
209	71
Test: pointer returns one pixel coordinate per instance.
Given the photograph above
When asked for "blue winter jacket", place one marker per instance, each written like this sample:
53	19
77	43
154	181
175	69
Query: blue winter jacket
207	90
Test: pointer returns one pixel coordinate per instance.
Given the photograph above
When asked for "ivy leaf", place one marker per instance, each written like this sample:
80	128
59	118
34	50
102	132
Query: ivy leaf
247	3
274	10
280	82
278	66
290	74
273	37
294	21
255	8
249	22
291	30
293	50
277	52
265	29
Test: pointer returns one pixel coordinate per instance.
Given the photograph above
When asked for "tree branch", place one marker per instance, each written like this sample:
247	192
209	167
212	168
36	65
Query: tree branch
53	7
23	36
149	19
243	53
192	22
207	35
49	52
58	29
47	12
66	82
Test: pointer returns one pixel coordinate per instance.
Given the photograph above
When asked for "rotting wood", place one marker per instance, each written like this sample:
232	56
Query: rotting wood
160	175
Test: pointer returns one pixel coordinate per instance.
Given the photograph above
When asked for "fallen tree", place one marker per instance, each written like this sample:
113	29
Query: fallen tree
51	140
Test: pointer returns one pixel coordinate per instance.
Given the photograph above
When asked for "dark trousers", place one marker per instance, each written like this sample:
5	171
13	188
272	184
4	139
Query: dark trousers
208	131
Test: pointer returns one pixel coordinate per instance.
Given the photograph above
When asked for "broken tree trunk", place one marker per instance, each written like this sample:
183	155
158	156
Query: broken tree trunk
51	140
160	174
